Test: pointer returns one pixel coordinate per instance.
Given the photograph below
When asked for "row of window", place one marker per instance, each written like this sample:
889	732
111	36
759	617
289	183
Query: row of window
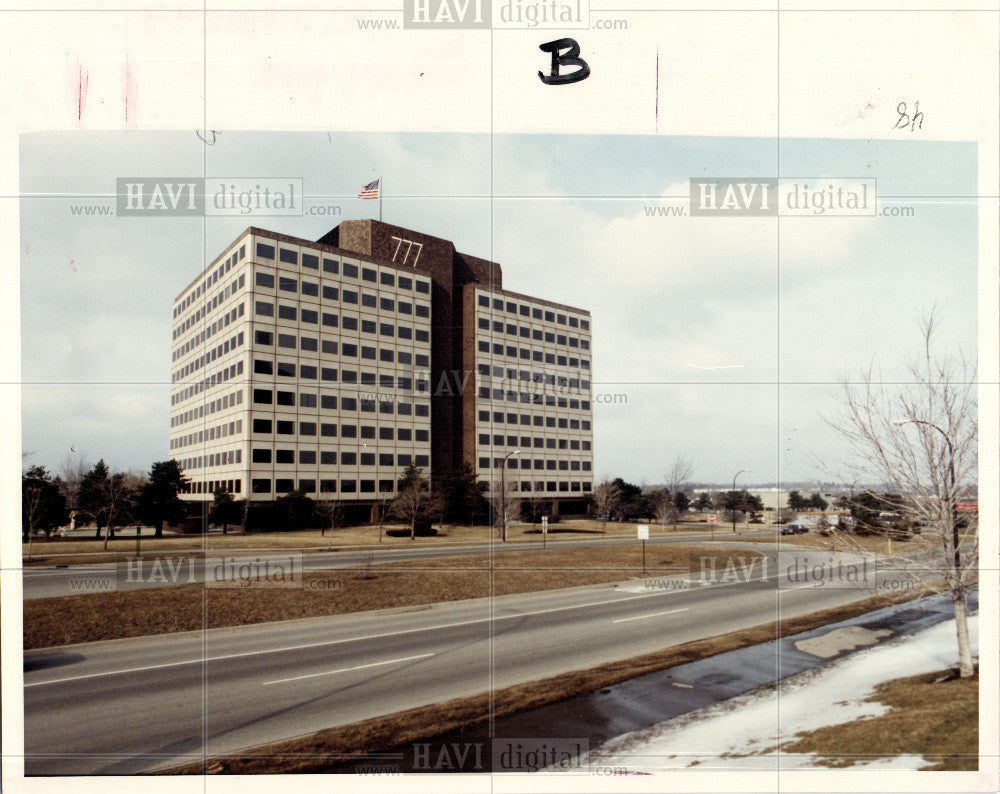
527	354
210	486
499	417
528	376
538	464
226	458
347	322
288	369
210	305
308	457
537	334
485	393
308	485
365	405
206	409
226	373
311	289
210	434
208	357
287	427
211	279
485	439
311	344
536	313
348	270
260	485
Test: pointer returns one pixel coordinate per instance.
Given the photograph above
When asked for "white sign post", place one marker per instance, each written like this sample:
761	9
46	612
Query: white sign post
643	536
545	529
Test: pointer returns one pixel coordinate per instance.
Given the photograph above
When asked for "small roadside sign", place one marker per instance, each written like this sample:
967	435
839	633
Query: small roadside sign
711	519
545	524
643	531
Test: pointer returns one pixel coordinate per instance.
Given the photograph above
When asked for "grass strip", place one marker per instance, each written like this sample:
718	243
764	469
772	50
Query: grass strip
117	614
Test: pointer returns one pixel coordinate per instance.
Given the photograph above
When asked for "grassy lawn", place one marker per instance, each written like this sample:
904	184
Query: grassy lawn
74	551
323	751
930	717
109	615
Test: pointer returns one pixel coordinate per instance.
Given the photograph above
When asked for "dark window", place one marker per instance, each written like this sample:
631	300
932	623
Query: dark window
328	430
262	367
286	340
307	371
328	486
349	296
310	288
262	425
367	274
262	396
330	265
330	319
351	271
283	486
311	261
264	308
348	486
260	456
287	284
307	456
285	427
284	456
288	256
265	252
328	458
405	283
286	398
286	369
310	316
260	486
307	428
307	400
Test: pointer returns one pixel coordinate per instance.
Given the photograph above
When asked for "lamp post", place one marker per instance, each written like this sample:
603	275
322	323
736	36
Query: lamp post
951	485
503	490
741	471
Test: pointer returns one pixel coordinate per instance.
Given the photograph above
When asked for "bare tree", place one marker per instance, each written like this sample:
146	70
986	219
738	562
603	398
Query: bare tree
677	479
658	500
607	498
506	504
916	435
331	512
70	476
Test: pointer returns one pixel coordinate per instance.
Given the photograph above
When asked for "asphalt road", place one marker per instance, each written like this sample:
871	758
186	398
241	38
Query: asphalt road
128	706
39	582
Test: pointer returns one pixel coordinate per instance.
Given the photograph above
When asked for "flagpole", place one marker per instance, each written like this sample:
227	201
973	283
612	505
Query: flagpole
380	186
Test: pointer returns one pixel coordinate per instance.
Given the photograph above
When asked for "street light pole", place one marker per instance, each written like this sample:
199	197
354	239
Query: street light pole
741	471
503	490
952	500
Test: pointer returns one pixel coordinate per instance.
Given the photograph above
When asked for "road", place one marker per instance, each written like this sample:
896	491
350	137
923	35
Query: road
129	706
78	579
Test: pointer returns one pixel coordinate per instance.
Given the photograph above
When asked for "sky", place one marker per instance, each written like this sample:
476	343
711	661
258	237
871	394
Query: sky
720	339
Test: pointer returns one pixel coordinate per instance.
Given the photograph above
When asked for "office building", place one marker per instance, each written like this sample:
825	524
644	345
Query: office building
329	366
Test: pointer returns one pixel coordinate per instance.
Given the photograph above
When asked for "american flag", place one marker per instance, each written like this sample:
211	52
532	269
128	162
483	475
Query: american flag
370	191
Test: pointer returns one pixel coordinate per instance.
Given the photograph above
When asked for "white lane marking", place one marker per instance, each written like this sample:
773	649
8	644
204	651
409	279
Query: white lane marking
349	669
224	657
653	615
800	587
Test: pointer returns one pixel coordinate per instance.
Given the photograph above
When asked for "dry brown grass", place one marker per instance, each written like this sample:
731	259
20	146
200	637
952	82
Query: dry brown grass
75	551
836	542
90	617
939	721
323	750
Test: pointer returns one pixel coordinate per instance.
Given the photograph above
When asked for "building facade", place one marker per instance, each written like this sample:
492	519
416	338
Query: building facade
329	366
